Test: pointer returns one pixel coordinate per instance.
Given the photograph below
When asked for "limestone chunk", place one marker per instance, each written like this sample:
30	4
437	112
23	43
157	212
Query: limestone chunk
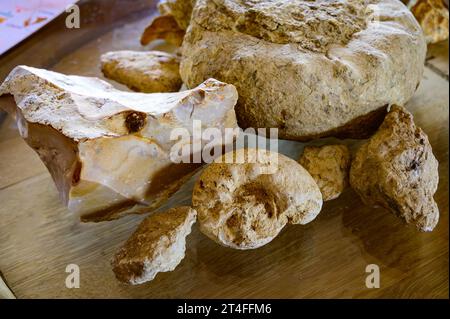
433	16
108	151
396	169
244	204
309	68
329	165
148	72
158	245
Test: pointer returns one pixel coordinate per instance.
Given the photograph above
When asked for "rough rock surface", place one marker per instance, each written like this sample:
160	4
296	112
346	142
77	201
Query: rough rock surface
433	16
310	68
165	28
108	151
158	245
181	10
244	204
396	169
329	165
148	72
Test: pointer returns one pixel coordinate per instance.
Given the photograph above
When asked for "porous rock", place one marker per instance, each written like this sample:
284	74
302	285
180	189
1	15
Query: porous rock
329	165
396	169
158	245
148	72
310	68
246	197
433	17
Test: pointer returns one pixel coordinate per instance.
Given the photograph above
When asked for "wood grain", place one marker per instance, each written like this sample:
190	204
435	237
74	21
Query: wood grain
324	259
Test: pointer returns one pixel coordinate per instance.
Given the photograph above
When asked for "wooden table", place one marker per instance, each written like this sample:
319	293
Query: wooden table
324	259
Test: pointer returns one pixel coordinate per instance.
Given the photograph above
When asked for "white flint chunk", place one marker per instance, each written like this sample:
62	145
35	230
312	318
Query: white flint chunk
108	151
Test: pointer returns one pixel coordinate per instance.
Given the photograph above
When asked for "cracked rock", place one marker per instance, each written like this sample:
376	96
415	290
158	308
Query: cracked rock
396	169
309	68
158	245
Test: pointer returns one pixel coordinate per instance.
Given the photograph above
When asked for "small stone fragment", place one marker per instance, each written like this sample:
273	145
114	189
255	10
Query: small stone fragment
158	245
163	27
329	166
396	169
148	72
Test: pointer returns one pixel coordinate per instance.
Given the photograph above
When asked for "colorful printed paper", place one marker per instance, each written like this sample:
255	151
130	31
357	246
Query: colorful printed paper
21	18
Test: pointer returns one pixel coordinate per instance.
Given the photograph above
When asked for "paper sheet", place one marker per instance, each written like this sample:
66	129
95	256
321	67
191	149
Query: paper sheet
21	18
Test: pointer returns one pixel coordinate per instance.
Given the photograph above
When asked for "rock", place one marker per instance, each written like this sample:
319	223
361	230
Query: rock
244	204
172	24
158	245
310	68
396	169
181	10
108	151
165	28
329	165
148	72
433	17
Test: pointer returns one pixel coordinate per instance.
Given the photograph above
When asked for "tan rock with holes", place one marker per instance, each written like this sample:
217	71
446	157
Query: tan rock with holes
110	152
148	72
245	198
396	169
433	16
310	68
158	245
329	165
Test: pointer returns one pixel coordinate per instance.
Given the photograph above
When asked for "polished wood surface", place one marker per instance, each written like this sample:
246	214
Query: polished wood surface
324	259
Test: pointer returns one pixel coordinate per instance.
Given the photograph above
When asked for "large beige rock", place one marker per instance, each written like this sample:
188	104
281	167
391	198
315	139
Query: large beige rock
108	151
245	202
329	165
396	169
148	72
310	68
158	245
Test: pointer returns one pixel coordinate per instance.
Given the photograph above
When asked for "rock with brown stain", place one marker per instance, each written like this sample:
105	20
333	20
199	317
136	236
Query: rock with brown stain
396	169
110	152
158	245
329	165
246	197
148	72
